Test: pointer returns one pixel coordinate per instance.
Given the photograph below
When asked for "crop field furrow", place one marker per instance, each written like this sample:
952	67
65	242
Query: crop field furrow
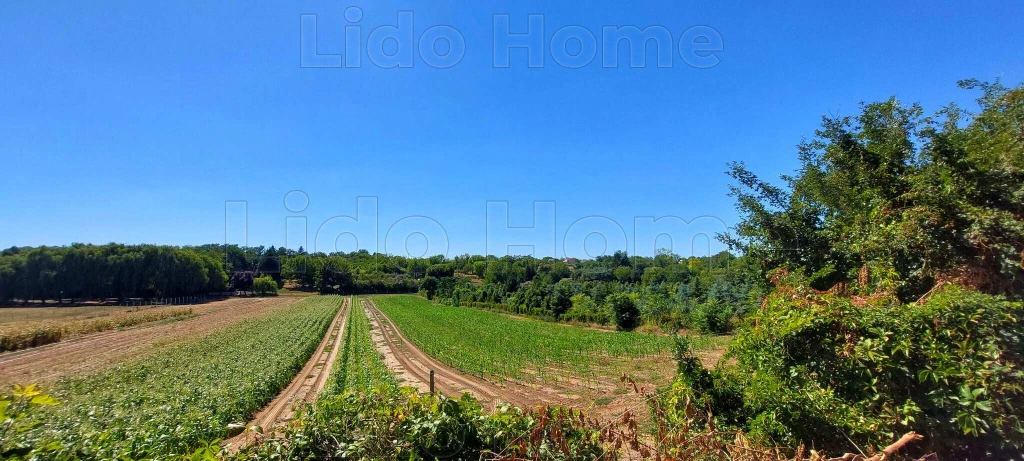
88	353
545	376
359	366
305	386
169	403
496	347
419	365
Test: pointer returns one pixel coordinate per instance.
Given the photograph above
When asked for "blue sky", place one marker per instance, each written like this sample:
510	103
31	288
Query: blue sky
136	122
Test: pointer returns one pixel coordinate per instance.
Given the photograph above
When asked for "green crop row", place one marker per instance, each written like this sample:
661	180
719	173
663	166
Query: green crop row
168	403
497	346
359	366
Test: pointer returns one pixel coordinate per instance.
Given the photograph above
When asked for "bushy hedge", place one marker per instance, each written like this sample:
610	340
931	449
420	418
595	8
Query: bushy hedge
264	286
835	371
389	422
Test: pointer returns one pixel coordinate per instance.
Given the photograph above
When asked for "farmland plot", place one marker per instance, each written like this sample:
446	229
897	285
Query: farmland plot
168	403
495	346
95	351
551	363
360	367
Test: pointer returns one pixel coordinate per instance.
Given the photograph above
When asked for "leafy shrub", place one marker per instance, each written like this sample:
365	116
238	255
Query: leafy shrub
17	413
585	310
429	286
711	317
622	306
264	286
440	270
242	280
832	370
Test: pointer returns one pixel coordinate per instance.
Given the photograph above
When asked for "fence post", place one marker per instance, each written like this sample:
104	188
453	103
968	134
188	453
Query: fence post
431	382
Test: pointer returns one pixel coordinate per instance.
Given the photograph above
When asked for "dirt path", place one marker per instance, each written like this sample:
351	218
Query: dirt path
45	364
414	366
306	385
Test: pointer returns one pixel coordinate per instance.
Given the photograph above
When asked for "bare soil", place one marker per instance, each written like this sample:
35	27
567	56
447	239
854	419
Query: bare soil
45	364
306	385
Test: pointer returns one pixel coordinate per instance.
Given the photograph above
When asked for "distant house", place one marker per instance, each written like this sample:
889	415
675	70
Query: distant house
570	261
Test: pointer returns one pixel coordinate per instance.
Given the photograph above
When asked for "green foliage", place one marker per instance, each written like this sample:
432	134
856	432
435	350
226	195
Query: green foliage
359	367
441	270
264	286
623	308
585	310
525	285
712	317
168	404
892	201
109	271
818	367
886	209
495	346
365	414
18	414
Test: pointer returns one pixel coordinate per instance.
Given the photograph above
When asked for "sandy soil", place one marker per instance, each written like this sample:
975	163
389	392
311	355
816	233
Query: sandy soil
45	364
308	383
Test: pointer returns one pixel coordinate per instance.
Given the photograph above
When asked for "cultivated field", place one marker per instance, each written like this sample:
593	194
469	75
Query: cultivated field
523	361
16	315
162	391
47	327
90	352
169	402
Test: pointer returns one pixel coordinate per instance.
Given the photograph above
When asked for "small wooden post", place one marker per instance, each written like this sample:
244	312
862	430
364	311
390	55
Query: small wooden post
431	382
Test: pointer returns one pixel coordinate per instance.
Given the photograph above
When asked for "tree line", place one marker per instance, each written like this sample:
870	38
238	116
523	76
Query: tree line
665	290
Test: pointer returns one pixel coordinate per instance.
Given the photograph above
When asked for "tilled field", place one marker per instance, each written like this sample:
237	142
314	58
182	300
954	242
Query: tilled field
45	364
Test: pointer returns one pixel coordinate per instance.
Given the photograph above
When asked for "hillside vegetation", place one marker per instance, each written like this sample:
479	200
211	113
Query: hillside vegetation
896	250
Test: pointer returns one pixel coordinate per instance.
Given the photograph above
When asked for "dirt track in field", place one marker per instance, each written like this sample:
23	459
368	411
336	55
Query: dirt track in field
306	385
605	397
413	366
45	364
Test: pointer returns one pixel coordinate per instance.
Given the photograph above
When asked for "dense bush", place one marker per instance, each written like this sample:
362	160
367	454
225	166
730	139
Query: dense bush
388	422
242	280
831	370
585	310
264	286
622	306
711	317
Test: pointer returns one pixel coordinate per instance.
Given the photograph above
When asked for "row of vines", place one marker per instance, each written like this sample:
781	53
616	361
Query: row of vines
495	346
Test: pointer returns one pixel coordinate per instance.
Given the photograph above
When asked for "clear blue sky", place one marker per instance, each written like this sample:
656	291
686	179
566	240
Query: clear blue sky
135	121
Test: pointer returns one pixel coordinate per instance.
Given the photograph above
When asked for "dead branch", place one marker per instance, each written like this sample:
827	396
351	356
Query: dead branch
886	453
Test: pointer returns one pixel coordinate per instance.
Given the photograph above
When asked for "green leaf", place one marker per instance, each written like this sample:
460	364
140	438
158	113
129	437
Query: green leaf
44	400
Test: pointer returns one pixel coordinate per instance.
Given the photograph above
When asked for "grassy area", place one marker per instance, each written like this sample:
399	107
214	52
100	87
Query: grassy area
497	346
168	403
